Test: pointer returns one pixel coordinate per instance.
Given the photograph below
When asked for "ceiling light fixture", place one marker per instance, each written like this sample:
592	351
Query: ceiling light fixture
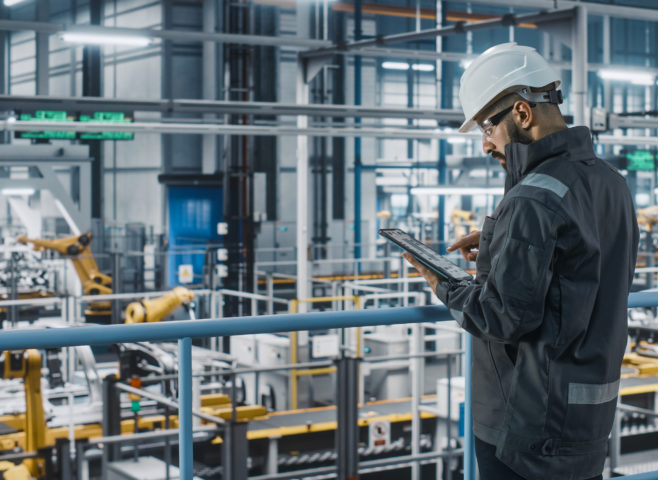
423	67
11	3
105	39
457	191
632	76
17	191
395	66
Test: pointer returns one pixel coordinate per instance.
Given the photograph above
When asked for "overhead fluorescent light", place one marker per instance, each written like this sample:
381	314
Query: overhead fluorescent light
632	76
11	3
17	191
423	67
105	39
457	191
395	65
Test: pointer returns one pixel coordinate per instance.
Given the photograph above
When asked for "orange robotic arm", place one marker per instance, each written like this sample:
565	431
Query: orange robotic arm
26	364
158	308
77	247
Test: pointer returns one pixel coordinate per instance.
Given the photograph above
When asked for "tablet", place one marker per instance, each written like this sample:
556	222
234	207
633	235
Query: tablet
426	255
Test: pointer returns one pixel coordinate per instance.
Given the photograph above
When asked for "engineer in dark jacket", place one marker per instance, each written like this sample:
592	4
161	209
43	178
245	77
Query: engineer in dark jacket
555	263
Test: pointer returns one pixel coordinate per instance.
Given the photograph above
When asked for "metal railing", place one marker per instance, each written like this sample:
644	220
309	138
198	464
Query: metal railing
184	331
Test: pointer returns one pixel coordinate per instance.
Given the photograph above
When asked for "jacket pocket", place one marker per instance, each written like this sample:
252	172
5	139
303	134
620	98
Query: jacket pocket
519	274
503	367
483	264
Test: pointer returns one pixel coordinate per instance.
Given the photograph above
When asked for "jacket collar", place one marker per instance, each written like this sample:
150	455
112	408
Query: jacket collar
575	142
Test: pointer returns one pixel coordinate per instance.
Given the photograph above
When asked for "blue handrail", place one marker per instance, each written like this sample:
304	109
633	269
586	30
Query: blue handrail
183	331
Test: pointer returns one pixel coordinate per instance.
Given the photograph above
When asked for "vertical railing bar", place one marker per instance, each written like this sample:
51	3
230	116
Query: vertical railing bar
469	443
185	440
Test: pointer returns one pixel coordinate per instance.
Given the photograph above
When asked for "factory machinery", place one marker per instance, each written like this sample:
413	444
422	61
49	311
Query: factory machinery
83	412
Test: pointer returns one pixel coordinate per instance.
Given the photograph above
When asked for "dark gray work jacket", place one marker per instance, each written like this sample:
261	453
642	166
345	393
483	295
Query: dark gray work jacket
547	308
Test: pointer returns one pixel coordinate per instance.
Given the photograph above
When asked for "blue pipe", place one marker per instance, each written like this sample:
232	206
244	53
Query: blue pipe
289	322
185	440
357	140
642	476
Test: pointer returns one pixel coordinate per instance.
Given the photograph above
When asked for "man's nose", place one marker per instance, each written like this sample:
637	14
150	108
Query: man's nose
487	145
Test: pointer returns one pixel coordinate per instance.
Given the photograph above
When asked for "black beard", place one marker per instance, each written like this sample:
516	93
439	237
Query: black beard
517	135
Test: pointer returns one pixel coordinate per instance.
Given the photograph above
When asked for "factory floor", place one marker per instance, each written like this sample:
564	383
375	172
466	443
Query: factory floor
634	463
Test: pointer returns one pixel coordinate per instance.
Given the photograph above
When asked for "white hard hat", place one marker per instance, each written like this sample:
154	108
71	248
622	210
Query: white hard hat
501	70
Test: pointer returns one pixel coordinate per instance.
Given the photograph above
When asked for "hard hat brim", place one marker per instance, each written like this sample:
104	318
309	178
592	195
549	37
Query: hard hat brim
468	126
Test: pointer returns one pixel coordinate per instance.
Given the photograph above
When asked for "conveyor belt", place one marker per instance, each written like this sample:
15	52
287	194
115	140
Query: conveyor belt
296	422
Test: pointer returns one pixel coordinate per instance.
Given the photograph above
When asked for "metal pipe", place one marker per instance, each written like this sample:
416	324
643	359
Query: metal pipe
90	104
619	11
221	129
458	28
131	437
185	439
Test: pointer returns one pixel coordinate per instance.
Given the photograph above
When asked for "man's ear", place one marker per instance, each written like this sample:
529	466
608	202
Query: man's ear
523	114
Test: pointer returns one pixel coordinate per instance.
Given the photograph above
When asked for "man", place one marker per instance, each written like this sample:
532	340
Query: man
555	262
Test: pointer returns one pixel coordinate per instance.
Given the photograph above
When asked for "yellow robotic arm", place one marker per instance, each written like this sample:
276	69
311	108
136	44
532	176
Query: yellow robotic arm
26	364
158	308
78	249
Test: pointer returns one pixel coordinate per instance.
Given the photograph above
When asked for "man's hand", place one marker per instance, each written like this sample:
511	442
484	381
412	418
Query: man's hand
430	275
468	245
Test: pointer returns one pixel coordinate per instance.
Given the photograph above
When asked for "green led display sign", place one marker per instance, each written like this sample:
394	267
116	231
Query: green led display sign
106	117
62	116
640	160
47	116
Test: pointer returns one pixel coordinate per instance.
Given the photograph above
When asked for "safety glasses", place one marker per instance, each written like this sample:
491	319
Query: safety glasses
488	125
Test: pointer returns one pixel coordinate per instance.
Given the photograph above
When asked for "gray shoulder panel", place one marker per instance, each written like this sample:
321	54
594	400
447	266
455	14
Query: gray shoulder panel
541	180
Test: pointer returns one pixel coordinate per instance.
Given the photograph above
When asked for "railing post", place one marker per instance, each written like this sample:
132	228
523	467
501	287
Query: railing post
469	443
111	420
185	440
347	431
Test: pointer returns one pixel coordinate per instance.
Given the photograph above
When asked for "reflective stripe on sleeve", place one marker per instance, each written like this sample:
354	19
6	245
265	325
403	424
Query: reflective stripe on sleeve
592	393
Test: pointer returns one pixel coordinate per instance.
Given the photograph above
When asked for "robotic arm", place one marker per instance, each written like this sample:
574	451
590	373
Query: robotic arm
26	364
158	308
77	248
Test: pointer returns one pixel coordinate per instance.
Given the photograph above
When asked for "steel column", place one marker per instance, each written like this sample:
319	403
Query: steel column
579	65
357	140
185	440
234	451
209	82
111	419
302	193
347	416
42	51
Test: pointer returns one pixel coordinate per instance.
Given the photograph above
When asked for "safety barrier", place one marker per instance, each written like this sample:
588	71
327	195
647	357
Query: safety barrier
184	331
